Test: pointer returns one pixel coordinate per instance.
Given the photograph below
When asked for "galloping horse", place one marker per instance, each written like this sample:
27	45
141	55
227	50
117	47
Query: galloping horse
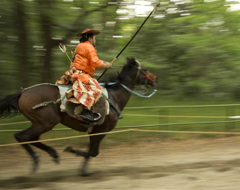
47	117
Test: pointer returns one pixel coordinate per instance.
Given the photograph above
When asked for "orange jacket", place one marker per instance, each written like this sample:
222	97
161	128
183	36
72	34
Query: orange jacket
86	58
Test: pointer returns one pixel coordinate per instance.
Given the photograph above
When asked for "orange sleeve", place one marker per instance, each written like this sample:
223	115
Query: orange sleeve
93	58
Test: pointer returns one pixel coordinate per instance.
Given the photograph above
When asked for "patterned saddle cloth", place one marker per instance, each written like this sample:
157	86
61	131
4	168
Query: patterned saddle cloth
102	105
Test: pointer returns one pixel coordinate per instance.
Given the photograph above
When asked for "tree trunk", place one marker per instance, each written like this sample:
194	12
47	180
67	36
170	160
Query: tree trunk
46	30
21	51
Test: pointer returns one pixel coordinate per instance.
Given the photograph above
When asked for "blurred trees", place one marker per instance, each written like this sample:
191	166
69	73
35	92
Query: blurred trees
193	46
31	31
196	47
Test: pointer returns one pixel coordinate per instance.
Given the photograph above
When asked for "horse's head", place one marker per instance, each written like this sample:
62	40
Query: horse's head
144	76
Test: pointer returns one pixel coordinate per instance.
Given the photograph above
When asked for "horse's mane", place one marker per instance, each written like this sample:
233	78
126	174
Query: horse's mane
117	79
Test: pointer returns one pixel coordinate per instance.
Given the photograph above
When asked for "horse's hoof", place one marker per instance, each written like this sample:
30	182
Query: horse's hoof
56	160
35	163
68	149
34	168
85	174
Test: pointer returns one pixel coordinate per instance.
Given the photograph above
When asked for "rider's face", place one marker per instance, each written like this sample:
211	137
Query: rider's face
92	40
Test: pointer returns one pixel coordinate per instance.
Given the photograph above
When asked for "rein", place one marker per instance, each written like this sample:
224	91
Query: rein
146	77
139	72
138	94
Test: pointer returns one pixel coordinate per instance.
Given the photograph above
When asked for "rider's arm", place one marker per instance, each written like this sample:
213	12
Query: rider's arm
93	59
96	62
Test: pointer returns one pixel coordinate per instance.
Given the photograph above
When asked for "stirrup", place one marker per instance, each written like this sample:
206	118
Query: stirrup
86	114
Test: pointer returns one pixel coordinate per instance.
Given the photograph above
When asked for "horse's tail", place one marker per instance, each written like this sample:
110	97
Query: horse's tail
9	105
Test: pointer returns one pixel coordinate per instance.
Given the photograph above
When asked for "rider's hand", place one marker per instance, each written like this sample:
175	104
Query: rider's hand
106	65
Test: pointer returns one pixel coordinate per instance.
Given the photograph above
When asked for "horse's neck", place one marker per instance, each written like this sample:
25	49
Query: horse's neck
120	96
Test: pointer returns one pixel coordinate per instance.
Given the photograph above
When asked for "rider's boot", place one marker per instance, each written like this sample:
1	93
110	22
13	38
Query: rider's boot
89	115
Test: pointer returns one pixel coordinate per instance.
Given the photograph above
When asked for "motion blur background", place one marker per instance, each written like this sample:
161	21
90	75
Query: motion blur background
192	46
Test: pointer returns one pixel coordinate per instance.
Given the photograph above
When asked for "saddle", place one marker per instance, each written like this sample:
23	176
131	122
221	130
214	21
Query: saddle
76	109
72	109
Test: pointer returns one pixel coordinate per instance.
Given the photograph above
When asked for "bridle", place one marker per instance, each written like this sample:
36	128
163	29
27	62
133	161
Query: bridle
146	78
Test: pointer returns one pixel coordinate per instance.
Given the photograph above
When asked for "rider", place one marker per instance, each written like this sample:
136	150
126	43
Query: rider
85	90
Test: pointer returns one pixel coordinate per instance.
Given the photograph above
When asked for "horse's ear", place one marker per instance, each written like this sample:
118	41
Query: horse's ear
131	60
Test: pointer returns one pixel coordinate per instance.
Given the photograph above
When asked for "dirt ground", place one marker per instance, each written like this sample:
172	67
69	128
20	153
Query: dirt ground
199	164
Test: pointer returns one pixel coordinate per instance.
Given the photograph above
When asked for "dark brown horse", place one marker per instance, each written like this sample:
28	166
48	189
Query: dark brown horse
46	117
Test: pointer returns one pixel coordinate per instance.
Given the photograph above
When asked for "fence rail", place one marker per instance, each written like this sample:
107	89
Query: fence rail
229	119
136	128
191	106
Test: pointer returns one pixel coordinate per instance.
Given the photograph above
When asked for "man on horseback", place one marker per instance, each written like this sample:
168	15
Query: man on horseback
86	89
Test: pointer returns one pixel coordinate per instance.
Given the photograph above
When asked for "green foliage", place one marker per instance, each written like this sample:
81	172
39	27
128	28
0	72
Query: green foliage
193	46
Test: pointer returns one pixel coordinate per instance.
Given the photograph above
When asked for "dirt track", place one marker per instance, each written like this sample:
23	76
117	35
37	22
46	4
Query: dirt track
180	165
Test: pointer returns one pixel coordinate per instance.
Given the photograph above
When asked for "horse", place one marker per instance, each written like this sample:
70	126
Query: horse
45	118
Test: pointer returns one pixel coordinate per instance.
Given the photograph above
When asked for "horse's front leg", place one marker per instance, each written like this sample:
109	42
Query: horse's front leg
83	170
93	151
86	156
76	152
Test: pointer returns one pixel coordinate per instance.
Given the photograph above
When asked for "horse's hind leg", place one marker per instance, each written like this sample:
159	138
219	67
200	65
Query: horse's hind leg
51	151
23	136
32	134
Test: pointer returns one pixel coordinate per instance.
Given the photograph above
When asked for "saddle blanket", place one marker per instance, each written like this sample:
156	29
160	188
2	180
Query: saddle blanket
64	88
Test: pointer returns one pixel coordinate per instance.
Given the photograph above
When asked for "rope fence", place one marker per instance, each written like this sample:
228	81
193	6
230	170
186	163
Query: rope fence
140	126
159	107
180	116
137	128
191	106
14	123
138	115
120	131
145	115
64	138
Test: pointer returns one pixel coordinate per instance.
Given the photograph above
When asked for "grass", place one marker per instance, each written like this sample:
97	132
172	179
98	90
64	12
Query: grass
139	117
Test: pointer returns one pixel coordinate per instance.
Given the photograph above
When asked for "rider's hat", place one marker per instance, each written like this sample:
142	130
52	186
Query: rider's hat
88	30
